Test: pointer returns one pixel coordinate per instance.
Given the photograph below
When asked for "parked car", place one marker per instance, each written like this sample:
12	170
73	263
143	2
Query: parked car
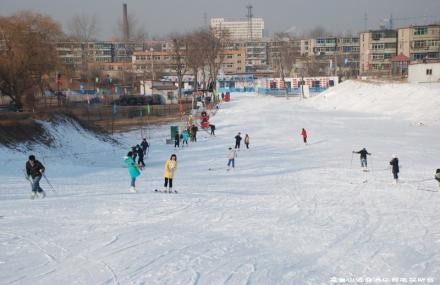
11	107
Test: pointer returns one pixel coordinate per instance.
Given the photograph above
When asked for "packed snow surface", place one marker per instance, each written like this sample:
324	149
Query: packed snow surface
288	213
418	103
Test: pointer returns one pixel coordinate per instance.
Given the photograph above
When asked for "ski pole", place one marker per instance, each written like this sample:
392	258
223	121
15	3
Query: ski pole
47	180
27	178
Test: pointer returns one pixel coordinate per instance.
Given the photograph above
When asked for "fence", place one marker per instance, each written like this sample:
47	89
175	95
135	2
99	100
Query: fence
290	91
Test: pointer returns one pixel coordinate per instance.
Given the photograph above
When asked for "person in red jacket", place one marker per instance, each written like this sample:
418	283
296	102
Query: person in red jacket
304	135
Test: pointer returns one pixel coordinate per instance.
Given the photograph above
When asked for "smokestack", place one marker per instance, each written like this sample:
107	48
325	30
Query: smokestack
125	23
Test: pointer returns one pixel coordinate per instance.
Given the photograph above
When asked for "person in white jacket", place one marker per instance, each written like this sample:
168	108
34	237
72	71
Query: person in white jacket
232	154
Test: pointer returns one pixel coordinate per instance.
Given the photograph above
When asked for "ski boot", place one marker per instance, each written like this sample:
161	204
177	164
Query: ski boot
42	194
132	189
33	195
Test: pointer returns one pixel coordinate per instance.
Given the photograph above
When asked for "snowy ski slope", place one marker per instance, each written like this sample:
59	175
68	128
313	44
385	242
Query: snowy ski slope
288	213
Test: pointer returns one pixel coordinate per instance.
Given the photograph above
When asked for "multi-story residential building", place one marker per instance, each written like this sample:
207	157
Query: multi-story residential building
240	30
234	61
73	54
323	46
377	48
347	52
420	43
154	61
304	47
287	50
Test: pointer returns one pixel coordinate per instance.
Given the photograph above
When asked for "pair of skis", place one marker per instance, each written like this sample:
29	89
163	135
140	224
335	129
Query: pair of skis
167	192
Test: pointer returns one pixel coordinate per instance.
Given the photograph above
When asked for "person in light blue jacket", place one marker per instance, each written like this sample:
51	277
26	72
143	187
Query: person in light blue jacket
185	137
133	170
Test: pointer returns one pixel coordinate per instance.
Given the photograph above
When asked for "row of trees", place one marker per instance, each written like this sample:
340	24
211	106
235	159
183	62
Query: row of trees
199	52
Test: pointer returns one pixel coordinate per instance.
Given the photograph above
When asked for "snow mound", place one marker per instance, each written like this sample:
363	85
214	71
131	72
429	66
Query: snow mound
419	103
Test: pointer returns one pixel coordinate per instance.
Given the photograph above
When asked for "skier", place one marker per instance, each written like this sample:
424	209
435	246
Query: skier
134	152
176	140
170	170
133	170
237	140
194	132
223	96
363	152
437	176
35	169
212	127
140	154
185	137
145	145
246	141
232	154
395	169
304	135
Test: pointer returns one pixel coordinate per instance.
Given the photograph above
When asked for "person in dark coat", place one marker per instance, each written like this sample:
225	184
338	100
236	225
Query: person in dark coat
35	170
140	153
177	140
212	127
194	132
363	152
145	145
134	152
395	168
237	141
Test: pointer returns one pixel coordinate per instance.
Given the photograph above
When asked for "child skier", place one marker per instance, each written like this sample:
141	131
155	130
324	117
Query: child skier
232	154
304	135
133	170
237	140
140	154
395	168
212	127
170	170
246	141
185	137
176	140
35	169
145	145
363	152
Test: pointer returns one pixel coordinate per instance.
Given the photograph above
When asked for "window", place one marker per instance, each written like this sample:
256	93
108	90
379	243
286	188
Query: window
420	31
429	72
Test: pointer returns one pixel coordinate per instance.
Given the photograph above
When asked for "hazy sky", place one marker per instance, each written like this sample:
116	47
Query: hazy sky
162	17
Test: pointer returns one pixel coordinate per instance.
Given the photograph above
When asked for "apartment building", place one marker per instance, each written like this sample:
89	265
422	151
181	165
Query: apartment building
234	61
377	48
240	29
154	61
73	54
420	43
347	52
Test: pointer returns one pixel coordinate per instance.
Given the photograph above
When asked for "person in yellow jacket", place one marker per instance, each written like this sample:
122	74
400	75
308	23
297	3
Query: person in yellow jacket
170	170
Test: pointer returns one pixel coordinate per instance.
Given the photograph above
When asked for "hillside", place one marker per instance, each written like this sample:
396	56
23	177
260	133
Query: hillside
419	103
287	214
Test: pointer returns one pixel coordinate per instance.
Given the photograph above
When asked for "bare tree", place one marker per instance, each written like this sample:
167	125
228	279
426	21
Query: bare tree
213	42
179	53
28	56
83	28
137	30
285	56
194	51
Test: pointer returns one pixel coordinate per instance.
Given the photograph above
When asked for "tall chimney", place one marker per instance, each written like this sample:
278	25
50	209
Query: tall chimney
125	23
